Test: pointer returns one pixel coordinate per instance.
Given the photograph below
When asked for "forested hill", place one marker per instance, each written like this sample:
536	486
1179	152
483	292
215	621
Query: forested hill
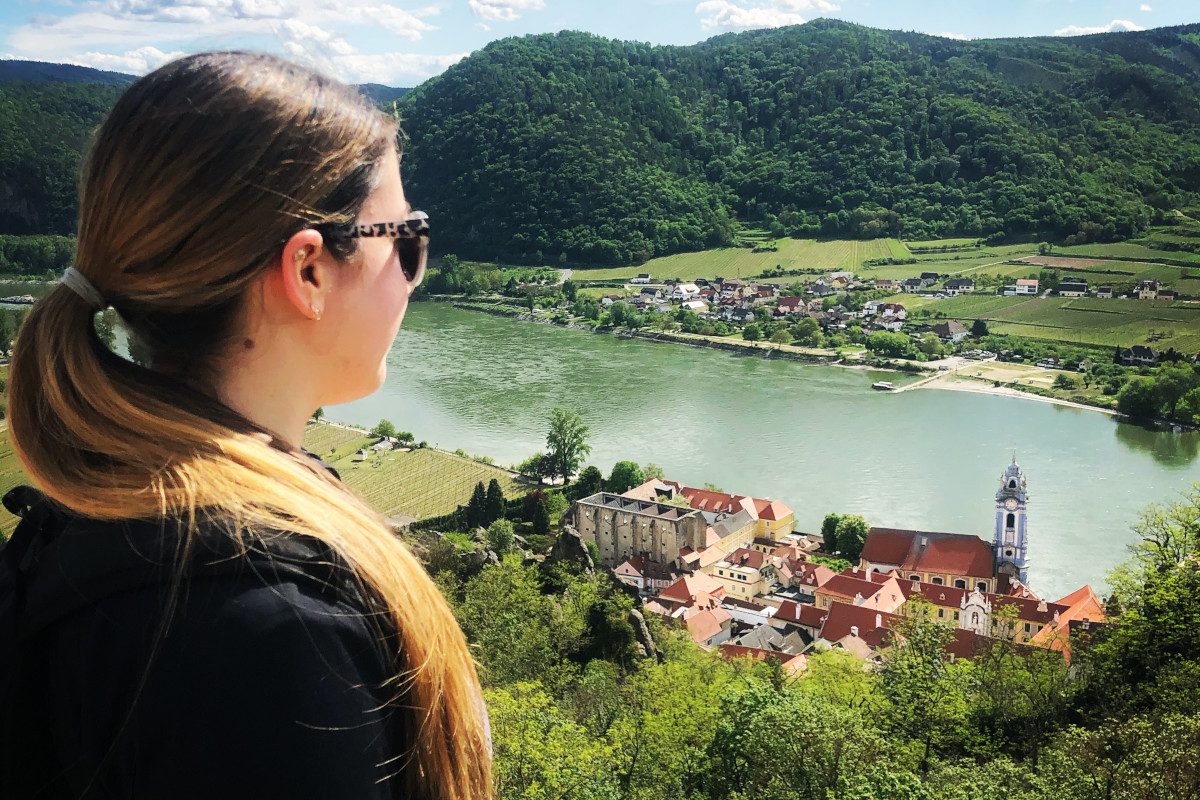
577	148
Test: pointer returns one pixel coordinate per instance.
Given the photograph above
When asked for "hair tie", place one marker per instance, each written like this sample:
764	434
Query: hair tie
83	287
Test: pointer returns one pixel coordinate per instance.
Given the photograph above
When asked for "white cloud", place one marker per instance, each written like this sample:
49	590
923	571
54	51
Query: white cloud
1112	27
138	62
730	16
393	69
1144	7
139	35
504	10
962	37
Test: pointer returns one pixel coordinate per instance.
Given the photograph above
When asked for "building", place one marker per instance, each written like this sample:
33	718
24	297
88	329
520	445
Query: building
1139	356
623	527
1072	287
943	559
1027	286
950	330
957	286
744	573
643	277
859	590
1104	291
1010	537
791	305
1147	290
685	291
772	519
648	577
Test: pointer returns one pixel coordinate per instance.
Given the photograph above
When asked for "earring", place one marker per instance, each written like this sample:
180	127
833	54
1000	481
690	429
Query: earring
316	311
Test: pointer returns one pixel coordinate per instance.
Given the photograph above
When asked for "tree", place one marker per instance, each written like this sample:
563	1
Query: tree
979	328
1136	398
931	345
570	289
566	442
893	345
625	475
541	516
319	414
807	332
500	536
494	505
924	693
476	514
590	481
384	429
829	532
781	336
532	466
1064	381
851	535
655	472
752	332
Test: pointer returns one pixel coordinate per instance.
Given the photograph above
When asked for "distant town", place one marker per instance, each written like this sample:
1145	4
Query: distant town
731	570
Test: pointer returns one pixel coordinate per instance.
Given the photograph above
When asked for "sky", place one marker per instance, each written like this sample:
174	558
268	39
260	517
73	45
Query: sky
403	42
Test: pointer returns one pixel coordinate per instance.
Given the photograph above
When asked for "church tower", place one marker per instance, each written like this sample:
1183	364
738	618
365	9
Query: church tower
1011	539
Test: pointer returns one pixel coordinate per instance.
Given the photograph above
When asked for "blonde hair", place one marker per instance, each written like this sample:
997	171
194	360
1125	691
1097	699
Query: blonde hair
200	173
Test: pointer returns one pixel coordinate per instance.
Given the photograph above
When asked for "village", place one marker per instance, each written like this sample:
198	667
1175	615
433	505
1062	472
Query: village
731	570
832	302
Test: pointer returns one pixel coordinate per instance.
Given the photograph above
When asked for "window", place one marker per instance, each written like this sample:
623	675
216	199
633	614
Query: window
1010	521
974	617
937	581
916	577
941	613
960	584
981	586
1027	627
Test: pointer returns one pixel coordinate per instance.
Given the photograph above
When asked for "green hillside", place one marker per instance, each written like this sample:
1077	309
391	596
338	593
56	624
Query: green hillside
575	148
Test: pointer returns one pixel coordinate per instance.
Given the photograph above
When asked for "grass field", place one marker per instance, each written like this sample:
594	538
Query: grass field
1128	250
11	474
1082	320
740	262
419	483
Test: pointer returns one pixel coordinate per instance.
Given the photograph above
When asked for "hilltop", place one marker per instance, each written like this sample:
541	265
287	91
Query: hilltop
582	149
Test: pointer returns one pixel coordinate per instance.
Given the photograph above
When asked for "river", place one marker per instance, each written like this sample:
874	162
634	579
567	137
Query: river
817	437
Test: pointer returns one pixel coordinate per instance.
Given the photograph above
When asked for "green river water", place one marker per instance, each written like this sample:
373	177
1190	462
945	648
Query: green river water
817	437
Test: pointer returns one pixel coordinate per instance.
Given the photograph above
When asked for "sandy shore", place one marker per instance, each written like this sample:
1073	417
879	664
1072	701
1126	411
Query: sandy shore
959	384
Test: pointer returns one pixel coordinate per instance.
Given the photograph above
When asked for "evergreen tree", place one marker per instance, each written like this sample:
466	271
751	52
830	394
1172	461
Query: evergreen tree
477	508
495	505
541	517
829	532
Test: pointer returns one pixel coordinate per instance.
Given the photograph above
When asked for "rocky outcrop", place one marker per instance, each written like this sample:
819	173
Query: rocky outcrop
569	546
641	632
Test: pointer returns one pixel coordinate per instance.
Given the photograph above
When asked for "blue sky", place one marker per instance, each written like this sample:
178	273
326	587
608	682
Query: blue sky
402	42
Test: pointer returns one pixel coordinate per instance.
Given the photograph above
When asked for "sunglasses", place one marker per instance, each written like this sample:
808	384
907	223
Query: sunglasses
412	242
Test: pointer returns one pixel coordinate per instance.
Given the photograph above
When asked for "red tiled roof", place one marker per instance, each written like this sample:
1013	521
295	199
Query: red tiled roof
944	596
810	573
792	663
688	588
966	644
847	587
744	557
773	510
842	616
800	613
706	624
949	553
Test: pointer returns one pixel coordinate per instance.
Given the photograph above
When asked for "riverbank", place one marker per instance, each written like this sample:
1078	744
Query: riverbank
929	374
963	383
805	355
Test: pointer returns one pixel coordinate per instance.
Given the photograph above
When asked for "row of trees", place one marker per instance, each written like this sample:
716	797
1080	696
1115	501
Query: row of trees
1171	392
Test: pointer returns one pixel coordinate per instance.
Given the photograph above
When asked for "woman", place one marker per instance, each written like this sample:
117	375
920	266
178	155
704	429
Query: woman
246	219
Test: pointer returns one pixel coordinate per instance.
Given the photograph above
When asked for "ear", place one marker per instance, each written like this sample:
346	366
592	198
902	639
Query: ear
307	277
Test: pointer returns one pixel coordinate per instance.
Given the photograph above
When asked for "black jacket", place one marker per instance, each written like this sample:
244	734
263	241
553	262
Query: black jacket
265	683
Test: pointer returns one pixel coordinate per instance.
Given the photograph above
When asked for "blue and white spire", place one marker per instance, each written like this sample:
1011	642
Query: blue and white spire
1011	538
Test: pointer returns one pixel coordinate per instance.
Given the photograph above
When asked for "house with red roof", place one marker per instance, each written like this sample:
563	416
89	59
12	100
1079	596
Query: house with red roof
643	574
858	590
943	559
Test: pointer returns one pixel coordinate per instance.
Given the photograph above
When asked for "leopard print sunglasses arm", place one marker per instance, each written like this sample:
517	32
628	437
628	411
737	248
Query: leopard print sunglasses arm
416	226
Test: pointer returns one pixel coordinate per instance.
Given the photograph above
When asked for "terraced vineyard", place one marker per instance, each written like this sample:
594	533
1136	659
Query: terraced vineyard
420	483
1082	320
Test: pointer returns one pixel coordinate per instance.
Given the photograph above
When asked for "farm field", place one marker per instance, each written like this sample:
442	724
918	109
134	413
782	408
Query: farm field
1079	320
964	242
418	483
739	262
1120	250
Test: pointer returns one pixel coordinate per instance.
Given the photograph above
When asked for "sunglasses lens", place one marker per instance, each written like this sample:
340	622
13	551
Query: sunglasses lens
413	254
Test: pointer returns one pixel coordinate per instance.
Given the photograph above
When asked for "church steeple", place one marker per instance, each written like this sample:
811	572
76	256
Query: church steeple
1010	540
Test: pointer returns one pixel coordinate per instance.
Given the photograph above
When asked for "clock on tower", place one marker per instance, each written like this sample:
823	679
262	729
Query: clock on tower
1010	540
